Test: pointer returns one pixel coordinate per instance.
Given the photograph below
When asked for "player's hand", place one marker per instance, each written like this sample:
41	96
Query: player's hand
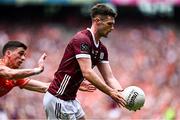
118	98
40	67
87	87
41	61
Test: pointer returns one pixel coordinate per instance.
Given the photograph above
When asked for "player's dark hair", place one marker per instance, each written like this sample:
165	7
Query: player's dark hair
103	10
11	45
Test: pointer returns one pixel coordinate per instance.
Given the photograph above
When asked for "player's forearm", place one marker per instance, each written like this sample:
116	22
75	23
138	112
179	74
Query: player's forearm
108	76
113	83
20	73
39	89
37	86
93	78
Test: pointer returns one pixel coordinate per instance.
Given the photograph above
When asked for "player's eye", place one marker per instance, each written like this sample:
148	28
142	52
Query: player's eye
110	24
21	53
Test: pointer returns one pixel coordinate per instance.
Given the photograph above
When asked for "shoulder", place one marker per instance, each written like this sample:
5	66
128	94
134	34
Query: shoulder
82	36
2	65
3	68
1	62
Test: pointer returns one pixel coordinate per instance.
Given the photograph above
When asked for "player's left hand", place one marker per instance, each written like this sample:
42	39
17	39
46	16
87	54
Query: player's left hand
87	87
41	61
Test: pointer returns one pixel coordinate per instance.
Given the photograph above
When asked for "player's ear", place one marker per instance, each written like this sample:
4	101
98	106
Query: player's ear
97	19
8	52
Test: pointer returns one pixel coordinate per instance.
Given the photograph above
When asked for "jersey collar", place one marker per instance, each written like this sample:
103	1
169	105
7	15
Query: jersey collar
94	40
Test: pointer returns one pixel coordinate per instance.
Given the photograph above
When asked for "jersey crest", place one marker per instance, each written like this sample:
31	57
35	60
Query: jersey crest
102	55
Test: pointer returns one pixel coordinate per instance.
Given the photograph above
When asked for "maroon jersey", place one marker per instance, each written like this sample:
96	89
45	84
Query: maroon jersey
68	77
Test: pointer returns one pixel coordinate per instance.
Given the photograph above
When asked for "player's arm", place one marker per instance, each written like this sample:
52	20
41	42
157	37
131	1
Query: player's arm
8	73
108	76
38	86
92	77
11	74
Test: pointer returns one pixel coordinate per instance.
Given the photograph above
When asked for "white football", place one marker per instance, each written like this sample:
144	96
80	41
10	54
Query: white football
135	97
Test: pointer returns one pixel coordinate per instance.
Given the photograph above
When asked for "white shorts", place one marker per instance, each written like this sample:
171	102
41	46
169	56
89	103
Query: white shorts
58	109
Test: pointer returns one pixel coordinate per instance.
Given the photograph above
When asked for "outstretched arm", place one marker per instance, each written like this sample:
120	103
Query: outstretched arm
8	73
38	86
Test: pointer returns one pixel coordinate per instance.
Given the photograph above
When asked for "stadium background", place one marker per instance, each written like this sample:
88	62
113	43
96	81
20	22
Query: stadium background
144	50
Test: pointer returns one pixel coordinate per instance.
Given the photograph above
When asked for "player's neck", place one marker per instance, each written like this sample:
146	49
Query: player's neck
5	61
96	35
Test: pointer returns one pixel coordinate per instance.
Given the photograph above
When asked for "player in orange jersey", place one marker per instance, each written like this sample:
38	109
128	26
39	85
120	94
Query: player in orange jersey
10	76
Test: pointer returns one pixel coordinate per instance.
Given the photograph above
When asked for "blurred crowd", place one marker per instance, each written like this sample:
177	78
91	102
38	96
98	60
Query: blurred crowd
141	54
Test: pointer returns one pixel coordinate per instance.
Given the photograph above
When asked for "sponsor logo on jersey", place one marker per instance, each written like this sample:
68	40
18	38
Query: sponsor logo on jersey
84	47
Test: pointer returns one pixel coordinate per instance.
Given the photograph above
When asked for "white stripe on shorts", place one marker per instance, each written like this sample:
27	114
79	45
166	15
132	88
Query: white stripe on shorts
63	85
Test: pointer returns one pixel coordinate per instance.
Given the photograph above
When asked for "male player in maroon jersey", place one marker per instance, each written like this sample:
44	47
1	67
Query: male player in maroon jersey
83	52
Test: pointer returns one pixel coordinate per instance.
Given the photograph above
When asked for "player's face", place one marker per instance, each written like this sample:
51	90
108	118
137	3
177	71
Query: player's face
16	57
106	26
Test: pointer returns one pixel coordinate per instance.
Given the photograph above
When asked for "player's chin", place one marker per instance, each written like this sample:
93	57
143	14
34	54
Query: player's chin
18	65
105	35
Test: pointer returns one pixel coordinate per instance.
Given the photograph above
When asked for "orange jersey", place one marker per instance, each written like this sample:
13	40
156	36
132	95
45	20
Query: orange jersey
7	85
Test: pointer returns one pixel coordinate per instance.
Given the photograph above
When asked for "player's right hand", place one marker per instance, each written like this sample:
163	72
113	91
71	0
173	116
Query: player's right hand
118	98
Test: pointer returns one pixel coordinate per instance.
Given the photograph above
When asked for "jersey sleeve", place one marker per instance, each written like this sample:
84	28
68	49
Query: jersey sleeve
81	48
22	82
104	55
